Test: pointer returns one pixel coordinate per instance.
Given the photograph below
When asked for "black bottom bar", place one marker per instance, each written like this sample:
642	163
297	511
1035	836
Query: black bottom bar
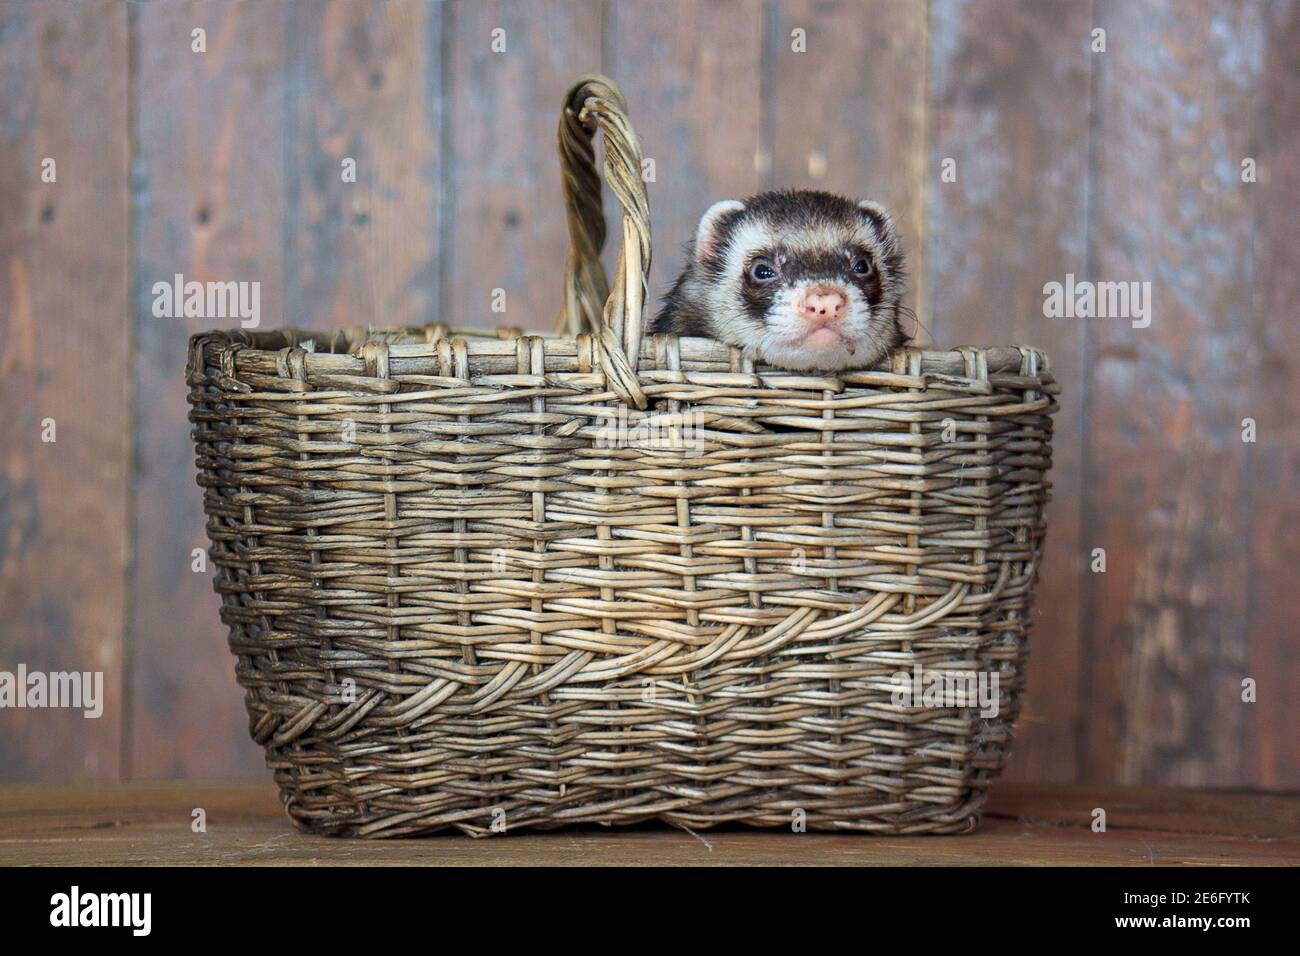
479	907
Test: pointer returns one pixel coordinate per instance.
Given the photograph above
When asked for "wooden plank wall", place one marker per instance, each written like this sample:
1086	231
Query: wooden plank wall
227	164
65	352
1167	401
1271	757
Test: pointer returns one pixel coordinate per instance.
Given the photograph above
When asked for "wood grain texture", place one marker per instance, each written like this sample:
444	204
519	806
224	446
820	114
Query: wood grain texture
505	227
364	82
149	824
209	187
63	356
1271	744
691	74
848	113
1009	93
226	165
1164	492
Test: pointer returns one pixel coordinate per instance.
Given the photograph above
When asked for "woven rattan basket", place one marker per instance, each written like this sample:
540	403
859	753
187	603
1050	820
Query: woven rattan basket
496	581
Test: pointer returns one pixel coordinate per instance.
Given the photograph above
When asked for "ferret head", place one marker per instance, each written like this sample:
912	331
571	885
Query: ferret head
801	279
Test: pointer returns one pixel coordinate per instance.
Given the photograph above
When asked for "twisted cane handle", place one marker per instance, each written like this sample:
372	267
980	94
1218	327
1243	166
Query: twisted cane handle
614	318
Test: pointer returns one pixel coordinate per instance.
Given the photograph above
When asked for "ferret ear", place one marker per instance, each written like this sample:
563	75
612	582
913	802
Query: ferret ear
879	216
709	234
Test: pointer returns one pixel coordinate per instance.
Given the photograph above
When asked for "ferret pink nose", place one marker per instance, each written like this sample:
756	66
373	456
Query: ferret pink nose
824	304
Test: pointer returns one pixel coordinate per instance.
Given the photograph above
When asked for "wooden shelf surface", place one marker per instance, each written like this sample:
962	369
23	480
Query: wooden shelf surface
150	823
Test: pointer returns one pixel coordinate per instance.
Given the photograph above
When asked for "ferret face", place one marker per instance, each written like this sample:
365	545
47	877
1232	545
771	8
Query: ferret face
802	280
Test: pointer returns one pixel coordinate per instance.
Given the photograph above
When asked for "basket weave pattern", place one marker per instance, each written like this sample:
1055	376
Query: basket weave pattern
475	580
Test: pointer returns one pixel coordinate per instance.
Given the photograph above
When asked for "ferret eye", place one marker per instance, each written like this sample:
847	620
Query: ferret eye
862	267
762	270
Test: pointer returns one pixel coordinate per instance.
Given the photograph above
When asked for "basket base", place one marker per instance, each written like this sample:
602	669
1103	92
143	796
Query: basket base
312	814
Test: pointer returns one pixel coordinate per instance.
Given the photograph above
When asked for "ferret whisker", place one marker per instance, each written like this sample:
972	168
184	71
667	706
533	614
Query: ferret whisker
908	312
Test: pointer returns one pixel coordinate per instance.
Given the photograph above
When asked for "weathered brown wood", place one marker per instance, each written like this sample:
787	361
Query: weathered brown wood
1259	816
237	176
365	84
209	203
151	824
1273	462
1165	646
691	74
64	355
505	227
848	113
1009	91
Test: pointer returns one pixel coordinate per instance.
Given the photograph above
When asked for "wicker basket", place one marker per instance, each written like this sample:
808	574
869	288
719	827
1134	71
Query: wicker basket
501	581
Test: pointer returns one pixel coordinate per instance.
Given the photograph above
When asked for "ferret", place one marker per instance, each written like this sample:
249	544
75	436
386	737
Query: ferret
799	279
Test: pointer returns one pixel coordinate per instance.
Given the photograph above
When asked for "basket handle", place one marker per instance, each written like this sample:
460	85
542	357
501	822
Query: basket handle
595	103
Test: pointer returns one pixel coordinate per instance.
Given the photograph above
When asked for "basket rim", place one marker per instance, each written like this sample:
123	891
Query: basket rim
340	351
